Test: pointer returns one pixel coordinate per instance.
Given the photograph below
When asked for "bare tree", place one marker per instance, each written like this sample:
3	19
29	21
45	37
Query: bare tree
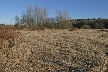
66	18
23	19
39	17
36	14
45	15
63	19
29	15
17	19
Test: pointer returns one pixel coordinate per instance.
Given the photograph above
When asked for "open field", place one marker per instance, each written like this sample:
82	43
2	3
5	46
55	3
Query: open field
57	51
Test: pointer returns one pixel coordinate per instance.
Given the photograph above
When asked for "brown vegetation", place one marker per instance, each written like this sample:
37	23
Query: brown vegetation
41	28
8	36
58	51
75	28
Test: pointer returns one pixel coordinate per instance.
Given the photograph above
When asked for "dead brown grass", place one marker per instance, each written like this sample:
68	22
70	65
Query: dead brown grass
58	51
73	29
8	35
41	28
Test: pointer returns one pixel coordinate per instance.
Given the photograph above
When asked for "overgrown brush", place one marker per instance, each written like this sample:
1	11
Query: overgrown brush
73	29
8	35
37	28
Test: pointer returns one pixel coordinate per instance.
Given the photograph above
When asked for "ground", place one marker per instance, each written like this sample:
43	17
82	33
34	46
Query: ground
82	50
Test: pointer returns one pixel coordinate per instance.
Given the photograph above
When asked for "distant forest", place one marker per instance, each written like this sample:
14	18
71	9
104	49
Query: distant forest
93	23
37	17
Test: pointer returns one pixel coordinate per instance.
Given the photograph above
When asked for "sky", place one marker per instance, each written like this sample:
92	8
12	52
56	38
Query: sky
77	8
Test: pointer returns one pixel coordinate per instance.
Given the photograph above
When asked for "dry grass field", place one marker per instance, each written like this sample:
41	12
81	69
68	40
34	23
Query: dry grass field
80	50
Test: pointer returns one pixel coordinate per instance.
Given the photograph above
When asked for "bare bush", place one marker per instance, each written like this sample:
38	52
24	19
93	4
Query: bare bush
8	35
73	29
85	27
41	28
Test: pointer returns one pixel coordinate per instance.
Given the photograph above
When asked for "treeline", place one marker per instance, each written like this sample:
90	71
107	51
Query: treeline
93	23
38	17
35	17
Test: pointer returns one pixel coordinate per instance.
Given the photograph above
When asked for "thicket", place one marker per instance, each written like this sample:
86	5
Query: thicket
36	17
8	35
91	23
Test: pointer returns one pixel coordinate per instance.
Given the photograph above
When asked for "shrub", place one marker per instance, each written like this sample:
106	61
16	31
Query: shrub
7	37
85	27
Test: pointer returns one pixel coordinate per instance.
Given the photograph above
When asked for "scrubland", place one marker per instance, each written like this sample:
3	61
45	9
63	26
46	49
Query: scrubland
82	50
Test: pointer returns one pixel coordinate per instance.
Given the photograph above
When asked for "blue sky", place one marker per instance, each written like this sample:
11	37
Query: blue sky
77	8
